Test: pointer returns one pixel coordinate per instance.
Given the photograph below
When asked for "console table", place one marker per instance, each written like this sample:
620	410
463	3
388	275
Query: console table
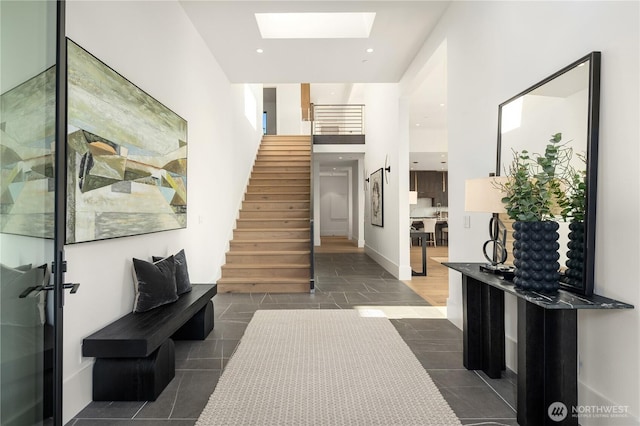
547	340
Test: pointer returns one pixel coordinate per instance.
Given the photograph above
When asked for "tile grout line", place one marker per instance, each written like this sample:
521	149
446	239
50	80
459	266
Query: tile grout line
495	391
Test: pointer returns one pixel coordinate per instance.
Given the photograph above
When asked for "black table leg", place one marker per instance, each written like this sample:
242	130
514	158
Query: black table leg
423	240
547	365
483	327
493	357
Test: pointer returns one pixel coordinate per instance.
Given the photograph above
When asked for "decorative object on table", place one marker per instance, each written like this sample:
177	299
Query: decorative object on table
575	209
483	196
126	156
535	194
377	198
571	97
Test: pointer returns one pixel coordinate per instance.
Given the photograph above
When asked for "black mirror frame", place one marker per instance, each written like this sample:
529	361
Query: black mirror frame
593	127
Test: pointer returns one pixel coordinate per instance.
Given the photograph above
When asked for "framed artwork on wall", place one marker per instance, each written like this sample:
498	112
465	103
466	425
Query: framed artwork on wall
377	198
126	156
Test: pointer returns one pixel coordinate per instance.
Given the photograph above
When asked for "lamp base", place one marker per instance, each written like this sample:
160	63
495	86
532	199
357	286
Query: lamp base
506	272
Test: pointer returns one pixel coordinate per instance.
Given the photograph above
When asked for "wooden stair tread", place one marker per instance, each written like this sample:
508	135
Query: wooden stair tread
269	253
263	280
276	240
266	266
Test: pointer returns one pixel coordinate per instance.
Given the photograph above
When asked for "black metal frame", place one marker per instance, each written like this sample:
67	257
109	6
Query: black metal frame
593	126
60	209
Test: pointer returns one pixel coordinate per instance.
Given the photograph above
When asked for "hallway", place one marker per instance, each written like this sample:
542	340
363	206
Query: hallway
343	281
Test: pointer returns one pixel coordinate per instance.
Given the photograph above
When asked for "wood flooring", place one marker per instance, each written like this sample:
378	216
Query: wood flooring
434	288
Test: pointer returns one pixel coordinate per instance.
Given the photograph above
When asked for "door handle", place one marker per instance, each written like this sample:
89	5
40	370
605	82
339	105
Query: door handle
38	288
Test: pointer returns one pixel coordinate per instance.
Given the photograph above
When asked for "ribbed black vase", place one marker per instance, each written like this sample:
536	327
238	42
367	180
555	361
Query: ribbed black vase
574	273
535	251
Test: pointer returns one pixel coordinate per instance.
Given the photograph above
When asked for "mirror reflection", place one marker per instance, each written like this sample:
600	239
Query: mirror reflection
562	103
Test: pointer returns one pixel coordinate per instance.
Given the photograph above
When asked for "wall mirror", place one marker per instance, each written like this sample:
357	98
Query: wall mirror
566	102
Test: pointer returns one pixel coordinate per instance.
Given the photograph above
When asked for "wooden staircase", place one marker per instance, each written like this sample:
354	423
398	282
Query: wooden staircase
270	250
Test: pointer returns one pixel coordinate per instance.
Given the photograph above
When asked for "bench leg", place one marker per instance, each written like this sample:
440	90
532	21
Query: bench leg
134	379
198	327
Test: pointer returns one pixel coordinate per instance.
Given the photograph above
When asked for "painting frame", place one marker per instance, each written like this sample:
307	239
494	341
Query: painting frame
377	198
126	155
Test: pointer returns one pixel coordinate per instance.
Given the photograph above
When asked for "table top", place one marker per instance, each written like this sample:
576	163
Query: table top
560	300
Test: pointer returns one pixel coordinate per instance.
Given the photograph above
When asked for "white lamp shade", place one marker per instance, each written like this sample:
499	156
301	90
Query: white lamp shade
484	195
413	197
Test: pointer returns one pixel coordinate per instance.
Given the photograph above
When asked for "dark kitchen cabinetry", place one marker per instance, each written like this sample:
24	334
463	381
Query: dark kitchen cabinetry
431	184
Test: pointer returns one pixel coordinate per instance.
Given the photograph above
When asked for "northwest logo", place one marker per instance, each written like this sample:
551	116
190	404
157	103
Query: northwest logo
557	411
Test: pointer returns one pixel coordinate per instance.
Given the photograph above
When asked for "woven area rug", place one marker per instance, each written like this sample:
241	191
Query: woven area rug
324	367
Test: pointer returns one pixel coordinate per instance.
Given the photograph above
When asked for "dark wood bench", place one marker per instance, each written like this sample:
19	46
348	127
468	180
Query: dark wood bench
135	358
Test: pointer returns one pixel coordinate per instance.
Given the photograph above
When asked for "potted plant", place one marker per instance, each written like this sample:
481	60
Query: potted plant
535	195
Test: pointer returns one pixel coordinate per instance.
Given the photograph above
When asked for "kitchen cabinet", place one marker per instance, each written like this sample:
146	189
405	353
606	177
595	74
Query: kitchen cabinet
431	184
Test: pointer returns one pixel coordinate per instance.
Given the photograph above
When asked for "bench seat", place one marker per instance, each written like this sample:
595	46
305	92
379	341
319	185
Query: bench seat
135	354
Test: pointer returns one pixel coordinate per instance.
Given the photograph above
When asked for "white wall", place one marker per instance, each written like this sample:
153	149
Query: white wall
386	128
288	103
166	57
497	49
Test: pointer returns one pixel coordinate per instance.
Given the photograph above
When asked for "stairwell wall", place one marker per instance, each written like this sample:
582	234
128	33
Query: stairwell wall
166	57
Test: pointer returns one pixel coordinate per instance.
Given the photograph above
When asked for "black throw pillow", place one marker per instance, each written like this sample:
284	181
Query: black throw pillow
155	283
183	284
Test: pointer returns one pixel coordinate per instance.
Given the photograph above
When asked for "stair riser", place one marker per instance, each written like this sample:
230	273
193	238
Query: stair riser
280	181
272	224
279	152
267	205
278	189
239	245
261	168
287	158
267	272
263	288
245	234
265	196
276	214
280	175
282	165
252	259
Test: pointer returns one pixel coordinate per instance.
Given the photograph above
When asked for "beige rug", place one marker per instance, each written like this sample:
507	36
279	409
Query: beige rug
324	367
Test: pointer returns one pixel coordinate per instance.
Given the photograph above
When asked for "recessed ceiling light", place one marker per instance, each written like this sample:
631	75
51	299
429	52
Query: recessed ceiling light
315	25
259	50
441	104
442	155
339	158
417	124
370	50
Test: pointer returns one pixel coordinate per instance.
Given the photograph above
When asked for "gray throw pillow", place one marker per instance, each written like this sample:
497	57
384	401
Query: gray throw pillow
155	283
183	284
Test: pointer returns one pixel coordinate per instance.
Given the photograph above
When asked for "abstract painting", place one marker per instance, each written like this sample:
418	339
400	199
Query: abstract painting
27	151
126	156
377	198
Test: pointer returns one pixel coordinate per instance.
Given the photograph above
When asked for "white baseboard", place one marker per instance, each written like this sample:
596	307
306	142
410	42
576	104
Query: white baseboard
386	263
78	392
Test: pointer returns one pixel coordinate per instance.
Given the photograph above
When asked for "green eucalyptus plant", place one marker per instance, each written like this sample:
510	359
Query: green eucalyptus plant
576	194
535	189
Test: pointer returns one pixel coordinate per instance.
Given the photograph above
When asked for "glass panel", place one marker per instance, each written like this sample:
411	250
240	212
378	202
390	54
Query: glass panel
27	147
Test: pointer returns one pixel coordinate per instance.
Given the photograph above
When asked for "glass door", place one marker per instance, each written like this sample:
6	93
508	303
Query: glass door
30	313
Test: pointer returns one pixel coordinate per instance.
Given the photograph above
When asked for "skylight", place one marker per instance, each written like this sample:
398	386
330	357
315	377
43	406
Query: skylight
315	25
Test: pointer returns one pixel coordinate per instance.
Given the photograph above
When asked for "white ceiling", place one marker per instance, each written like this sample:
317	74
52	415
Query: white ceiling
399	30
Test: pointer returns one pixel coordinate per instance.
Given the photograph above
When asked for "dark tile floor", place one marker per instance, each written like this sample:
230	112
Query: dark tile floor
343	281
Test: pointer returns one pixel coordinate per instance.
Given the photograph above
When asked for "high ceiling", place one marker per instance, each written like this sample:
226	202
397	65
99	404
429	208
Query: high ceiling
334	67
230	31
